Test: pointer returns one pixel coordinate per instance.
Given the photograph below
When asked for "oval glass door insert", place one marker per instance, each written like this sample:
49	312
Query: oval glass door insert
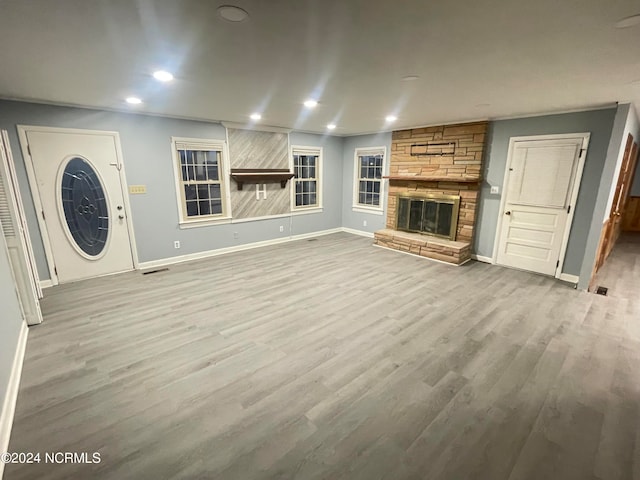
85	206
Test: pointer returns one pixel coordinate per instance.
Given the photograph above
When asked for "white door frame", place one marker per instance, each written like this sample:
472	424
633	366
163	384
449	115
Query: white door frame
35	192
574	189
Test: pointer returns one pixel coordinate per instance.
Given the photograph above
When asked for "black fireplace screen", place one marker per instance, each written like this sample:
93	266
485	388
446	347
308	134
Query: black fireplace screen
431	214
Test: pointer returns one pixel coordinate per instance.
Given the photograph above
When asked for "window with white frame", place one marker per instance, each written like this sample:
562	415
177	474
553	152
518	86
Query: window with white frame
200	179
368	186
307	191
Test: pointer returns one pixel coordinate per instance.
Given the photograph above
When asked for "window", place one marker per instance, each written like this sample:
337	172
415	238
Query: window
368	188
307	191
200	178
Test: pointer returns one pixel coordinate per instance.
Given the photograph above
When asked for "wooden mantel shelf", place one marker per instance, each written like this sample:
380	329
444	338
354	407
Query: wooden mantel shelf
415	178
261	175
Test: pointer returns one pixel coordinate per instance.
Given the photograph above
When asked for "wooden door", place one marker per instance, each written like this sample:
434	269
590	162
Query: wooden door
538	195
611	227
630	211
625	180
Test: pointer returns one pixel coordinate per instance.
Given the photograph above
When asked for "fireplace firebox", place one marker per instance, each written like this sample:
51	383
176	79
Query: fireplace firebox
435	215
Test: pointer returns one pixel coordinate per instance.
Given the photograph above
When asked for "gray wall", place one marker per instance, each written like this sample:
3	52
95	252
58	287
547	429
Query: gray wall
625	122
10	320
596	122
351	219
632	126
635	189
146	149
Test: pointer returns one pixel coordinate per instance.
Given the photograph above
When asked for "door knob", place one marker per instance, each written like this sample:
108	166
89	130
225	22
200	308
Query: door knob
121	217
119	207
507	213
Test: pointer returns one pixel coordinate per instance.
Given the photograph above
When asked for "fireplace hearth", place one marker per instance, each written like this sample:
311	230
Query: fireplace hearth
435	215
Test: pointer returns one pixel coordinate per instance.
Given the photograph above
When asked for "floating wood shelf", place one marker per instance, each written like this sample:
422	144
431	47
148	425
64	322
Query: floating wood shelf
415	178
261	175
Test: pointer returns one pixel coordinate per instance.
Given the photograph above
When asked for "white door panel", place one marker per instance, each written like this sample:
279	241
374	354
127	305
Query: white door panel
543	175
538	192
80	188
14	229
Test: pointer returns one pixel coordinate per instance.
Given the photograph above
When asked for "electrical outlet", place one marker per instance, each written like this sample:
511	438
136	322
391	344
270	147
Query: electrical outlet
495	189
235	235
281	228
137	189
364	223
176	244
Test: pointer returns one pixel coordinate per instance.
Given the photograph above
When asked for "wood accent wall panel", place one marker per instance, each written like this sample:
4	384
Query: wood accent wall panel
255	149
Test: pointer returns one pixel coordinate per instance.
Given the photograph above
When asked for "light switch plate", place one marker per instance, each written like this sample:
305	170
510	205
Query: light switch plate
495	189
137	189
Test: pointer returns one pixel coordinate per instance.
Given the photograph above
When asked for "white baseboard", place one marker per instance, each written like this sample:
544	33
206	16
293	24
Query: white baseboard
357	232
481	258
567	277
9	402
46	284
236	248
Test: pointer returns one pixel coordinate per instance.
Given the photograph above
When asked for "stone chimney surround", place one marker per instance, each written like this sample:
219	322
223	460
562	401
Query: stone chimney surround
440	160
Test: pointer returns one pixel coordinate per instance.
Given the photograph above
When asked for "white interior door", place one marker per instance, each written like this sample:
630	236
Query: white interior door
81	196
536	210
14	229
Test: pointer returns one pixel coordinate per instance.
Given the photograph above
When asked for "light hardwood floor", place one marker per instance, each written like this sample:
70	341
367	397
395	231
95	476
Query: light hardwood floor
332	359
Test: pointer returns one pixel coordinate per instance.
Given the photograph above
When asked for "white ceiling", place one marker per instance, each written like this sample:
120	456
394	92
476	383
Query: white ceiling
519	57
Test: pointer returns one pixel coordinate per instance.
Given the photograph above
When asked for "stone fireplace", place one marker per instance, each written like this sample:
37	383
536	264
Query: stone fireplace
434	184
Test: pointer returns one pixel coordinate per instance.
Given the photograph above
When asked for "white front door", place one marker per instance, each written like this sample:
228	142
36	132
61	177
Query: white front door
538	194
81	195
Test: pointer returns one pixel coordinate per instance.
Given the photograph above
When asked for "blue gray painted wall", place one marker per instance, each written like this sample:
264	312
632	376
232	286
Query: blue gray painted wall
597	122
10	320
355	219
632	126
635	187
146	149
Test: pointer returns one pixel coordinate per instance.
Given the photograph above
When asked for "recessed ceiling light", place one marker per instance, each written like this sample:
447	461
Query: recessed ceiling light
627	22
410	78
256	116
133	100
391	118
232	13
331	126
311	103
163	76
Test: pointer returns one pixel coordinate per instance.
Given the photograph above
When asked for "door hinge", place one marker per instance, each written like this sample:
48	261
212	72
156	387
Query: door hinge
569	209
582	150
55	269
557	263
43	217
29	149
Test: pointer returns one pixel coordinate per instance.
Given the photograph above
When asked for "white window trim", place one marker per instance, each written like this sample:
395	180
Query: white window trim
358	207
186	222
305	150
